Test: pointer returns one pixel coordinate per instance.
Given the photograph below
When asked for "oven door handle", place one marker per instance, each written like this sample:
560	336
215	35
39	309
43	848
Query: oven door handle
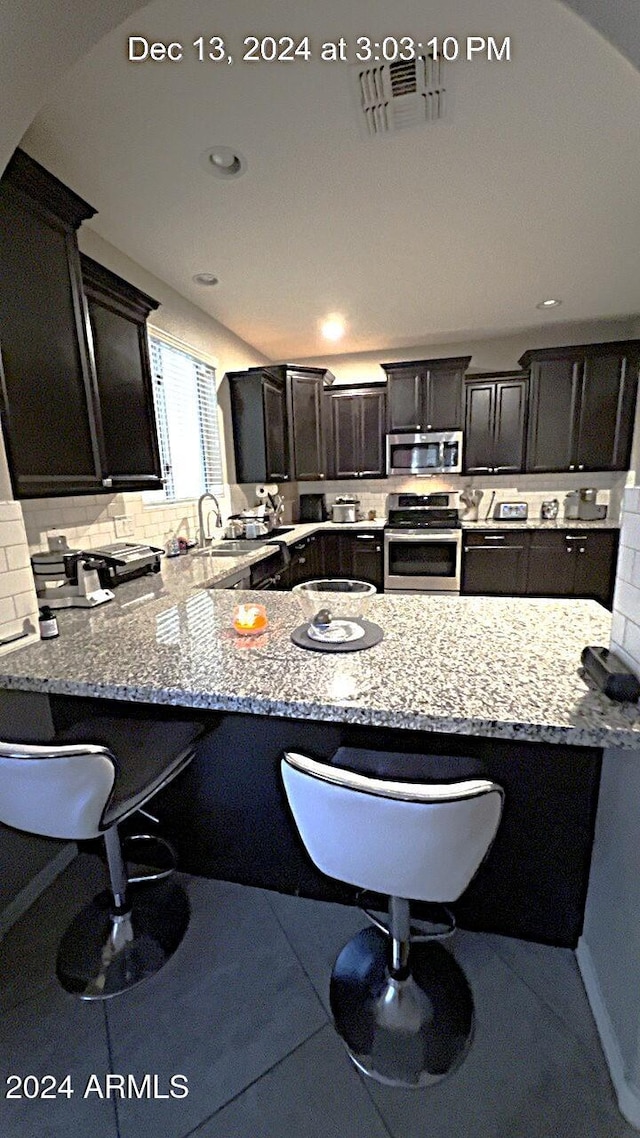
423	535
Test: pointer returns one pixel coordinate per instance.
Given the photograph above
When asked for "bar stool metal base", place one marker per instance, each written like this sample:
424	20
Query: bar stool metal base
103	953
410	1031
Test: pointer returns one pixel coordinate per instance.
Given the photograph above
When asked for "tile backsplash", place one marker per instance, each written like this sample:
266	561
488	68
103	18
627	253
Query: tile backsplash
625	629
18	604
89	521
531	488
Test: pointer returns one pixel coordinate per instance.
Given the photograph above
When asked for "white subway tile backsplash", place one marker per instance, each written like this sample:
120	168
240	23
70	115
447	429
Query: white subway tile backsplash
630	530
631	641
10	512
618	625
15	581
632	499
11	533
626	563
7	610
17	557
26	604
627	600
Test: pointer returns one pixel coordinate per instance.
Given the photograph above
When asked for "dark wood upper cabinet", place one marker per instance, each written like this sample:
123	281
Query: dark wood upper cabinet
117	316
426	395
77	390
358	417
582	406
49	391
495	420
307	426
259	417
279	423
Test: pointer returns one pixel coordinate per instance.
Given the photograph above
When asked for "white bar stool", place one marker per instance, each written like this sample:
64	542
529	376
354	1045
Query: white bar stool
81	786
400	1002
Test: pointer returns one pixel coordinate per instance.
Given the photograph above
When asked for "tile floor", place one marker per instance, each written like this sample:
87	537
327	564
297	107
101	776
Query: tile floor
242	1012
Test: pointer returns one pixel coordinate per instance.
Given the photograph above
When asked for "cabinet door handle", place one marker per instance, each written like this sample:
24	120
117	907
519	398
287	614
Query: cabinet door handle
581	467
321	476
365	537
581	549
578	537
107	482
571	467
493	537
274	475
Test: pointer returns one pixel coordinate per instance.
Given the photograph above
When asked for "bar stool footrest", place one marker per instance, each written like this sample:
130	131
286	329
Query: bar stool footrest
162	861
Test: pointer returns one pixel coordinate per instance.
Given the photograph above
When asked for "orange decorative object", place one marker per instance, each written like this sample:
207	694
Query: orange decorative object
249	620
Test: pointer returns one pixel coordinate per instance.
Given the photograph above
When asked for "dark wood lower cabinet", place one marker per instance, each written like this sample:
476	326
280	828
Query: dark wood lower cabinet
541	563
574	563
357	554
494	564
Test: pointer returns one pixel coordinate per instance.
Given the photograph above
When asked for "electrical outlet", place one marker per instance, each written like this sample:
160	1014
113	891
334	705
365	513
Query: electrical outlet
124	526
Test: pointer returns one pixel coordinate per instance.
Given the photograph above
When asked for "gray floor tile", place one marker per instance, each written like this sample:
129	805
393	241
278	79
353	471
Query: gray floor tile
29	949
316	930
314	1093
232	1002
554	975
56	1034
525	1077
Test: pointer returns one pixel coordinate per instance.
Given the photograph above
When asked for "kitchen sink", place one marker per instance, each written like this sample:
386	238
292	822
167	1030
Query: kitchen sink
230	548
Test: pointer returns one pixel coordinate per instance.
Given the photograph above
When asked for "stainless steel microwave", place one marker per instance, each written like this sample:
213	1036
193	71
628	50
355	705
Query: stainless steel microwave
432	452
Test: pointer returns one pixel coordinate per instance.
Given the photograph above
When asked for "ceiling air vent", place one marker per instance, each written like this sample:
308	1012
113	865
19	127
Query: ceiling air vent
398	95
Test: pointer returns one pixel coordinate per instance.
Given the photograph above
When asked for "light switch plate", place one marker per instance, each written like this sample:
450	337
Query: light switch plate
124	526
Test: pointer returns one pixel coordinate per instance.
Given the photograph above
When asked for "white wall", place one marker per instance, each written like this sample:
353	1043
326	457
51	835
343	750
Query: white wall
490	353
609	948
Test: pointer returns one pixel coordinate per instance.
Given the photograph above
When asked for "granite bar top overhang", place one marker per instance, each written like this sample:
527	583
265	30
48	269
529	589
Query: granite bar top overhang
495	667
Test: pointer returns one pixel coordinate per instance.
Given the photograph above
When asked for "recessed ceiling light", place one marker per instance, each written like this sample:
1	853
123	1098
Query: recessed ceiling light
223	162
205	279
551	303
332	328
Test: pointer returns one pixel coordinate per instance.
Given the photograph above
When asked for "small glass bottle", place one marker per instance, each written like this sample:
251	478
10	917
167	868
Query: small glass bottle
48	624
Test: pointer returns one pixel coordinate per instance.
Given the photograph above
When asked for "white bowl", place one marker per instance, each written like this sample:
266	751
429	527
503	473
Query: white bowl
345	598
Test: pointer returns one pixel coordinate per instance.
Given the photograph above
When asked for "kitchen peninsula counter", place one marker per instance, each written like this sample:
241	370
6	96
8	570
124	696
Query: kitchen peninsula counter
492	667
460	687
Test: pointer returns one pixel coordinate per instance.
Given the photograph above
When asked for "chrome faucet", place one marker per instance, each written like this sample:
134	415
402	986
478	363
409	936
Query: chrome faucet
203	538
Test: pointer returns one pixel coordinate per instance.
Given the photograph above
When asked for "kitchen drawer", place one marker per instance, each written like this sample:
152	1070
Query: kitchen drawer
490	538
552	539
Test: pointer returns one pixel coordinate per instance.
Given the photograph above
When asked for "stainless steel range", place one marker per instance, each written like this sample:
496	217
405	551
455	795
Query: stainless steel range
423	544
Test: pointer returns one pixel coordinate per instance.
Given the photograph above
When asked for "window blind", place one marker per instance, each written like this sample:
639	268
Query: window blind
187	418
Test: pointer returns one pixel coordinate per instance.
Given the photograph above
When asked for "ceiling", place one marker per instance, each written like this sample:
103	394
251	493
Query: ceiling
529	188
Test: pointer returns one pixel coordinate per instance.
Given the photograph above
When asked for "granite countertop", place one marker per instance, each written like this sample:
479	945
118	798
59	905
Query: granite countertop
487	666
216	569
539	523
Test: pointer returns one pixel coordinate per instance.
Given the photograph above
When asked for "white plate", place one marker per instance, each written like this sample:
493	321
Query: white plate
338	632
